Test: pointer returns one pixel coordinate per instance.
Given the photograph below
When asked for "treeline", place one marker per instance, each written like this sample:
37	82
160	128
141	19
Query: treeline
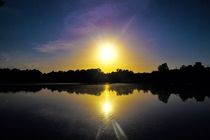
191	74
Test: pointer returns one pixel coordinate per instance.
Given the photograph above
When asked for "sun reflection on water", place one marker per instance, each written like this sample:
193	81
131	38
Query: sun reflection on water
109	125
107	107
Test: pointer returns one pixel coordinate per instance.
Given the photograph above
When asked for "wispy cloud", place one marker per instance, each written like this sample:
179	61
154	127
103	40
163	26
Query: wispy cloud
54	46
92	20
86	23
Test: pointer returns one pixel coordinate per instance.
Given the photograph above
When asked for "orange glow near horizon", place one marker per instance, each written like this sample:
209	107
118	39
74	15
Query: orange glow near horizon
107	53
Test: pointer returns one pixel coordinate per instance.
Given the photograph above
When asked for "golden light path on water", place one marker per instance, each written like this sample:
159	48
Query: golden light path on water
109	123
107	105
103	105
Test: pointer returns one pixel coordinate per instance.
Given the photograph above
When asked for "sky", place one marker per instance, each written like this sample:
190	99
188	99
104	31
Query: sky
66	34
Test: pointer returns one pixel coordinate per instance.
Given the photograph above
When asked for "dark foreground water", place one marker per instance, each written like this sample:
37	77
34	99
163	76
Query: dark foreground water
103	112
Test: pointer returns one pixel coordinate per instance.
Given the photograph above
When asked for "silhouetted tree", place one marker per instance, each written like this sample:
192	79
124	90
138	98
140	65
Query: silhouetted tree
163	67
198	66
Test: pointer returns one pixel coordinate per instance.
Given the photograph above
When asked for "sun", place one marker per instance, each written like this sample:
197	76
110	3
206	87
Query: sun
107	52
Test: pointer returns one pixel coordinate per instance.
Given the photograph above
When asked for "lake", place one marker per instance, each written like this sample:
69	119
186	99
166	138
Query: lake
103	112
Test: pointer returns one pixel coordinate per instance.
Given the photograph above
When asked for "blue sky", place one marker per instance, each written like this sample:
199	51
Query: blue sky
45	34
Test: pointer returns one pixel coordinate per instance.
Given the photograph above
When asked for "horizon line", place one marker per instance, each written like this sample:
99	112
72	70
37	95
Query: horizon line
24	69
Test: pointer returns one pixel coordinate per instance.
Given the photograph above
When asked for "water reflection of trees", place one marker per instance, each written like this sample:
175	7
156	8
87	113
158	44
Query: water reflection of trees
163	93
184	92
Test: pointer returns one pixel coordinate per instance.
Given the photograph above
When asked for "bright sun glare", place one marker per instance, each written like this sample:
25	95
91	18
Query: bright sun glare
107	52
107	107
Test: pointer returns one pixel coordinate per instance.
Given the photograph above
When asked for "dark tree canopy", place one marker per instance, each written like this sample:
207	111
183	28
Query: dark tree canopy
198	65
192	74
163	67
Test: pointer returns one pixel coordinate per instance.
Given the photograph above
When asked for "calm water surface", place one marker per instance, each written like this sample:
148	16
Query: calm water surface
100	112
